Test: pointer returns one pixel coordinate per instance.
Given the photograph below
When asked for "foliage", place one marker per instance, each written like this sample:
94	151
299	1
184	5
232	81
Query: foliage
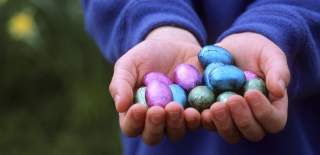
53	83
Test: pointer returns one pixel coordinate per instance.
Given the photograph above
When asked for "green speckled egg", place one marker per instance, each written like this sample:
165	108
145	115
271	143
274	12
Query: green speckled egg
257	84
140	96
223	97
201	97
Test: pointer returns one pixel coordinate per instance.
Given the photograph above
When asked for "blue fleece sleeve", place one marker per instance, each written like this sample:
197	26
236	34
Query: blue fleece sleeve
294	25
117	25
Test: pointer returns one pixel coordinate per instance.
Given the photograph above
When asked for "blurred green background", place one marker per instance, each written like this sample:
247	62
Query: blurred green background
53	82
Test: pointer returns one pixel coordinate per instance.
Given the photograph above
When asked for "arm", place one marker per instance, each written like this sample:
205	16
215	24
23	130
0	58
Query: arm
293	25
119	25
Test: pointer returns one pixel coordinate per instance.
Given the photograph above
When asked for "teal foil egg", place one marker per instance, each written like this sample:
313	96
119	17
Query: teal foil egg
257	84
227	78
179	95
201	97
211	53
206	72
223	97
140	96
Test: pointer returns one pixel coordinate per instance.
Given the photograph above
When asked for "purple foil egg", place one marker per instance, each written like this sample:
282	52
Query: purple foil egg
156	76
187	76
158	94
250	75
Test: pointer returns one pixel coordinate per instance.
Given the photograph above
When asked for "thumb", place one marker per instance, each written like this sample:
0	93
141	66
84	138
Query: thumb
273	64
122	84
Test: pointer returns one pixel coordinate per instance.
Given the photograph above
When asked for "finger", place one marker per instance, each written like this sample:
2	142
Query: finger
192	118
132	122
122	83
223	122
272	117
274	65
174	121
206	121
243	118
154	125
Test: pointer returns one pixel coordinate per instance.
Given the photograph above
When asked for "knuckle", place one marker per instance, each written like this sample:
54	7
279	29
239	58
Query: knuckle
257	137
264	114
244	124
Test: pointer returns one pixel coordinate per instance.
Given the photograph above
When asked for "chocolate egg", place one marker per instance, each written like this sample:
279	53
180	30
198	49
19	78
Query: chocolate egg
201	97
223	97
257	84
158	94
187	76
226	78
140	96
250	75
179	95
211	53
156	76
206	72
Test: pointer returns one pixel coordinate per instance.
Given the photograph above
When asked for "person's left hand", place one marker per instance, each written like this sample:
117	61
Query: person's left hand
253	115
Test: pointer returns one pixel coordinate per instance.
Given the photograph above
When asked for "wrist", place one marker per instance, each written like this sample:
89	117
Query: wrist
170	33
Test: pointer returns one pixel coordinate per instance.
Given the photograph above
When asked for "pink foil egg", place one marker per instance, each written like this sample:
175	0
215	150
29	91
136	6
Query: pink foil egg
156	76
250	75
158	94
187	76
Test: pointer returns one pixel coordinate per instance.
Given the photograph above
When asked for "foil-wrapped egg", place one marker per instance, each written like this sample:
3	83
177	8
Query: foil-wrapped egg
256	84
211	53
201	97
227	78
206	72
158	94
156	76
179	95
223	97
250	75
140	96
187	76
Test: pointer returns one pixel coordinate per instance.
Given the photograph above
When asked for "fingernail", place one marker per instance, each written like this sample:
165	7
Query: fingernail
136	116
282	86
174	115
156	119
116	100
220	114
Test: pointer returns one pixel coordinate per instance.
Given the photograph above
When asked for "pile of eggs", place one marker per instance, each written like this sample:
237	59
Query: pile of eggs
220	80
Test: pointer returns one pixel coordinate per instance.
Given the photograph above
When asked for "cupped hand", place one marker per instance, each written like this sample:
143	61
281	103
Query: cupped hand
161	51
253	115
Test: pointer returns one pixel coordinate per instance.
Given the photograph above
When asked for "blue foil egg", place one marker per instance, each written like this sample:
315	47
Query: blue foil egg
227	78
179	95
209	54
209	68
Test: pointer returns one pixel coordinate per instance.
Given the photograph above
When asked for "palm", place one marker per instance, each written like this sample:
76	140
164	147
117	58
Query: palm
161	56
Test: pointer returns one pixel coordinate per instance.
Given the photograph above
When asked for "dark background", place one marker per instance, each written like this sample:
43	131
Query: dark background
53	84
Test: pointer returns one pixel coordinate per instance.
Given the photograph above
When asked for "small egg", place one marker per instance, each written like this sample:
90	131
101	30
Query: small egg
179	95
257	84
223	97
250	75
201	97
206	72
140	96
211	53
156	76
187	76
226	78
158	94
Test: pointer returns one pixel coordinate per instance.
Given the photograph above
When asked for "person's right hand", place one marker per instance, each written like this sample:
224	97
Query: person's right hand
162	50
